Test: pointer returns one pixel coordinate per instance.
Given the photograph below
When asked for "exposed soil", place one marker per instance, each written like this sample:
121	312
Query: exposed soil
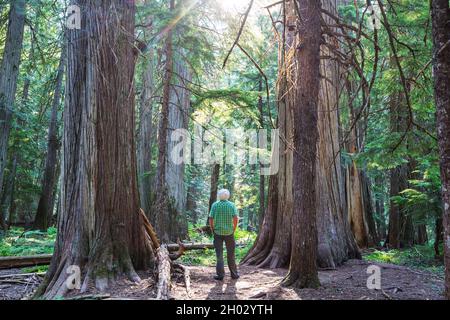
346	282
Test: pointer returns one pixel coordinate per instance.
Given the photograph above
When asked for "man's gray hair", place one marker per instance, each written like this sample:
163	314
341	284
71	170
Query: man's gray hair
223	194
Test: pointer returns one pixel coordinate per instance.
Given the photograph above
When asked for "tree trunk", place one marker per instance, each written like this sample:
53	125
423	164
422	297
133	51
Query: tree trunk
380	209
336	244
303	271
356	208
262	178
9	71
440	14
359	205
438	236
178	119
162	207
374	238
8	193
191	203
421	236
145	133
398	175
100	228
215	172
46	202
397	184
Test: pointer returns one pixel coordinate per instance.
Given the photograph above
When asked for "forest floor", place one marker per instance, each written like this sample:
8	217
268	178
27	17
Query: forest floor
348	282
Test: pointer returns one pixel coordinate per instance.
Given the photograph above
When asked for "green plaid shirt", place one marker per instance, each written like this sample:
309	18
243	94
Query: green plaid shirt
222	213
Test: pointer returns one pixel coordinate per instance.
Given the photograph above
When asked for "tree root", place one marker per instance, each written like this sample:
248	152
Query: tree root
103	268
273	261
299	281
256	258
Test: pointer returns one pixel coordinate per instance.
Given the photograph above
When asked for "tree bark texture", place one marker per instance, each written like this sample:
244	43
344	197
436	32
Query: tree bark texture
303	271
335	242
145	135
440	14
9	71
46	201
100	228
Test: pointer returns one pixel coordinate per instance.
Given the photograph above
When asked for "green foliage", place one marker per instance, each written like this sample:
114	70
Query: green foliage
244	241
35	269
419	256
422	199
18	242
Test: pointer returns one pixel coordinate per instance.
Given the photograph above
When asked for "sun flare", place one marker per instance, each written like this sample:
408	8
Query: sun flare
233	5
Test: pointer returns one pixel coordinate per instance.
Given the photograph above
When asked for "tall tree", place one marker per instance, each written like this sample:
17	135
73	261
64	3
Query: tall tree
9	71
46	201
179	109
215	172
99	226
336	243
262	178
146	128
168	208
440	14
303	265
401	229
161	207
358	193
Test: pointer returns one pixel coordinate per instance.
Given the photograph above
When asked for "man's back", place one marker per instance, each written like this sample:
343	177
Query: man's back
222	213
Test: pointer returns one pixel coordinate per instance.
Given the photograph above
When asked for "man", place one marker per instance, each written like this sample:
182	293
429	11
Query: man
223	220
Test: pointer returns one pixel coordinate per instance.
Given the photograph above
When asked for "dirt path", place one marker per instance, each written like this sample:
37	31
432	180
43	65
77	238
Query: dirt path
346	282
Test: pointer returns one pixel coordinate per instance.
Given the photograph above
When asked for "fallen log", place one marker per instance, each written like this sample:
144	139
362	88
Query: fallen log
44	259
149	229
204	230
163	288
22	275
24	261
189	246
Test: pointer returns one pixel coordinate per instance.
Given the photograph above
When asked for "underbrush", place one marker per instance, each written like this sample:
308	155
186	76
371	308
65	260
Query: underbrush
244	241
419	256
18	242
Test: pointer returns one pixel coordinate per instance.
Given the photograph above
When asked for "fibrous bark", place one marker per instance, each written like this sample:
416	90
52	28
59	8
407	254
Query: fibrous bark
165	208
179	109
359	204
100	228
335	244
145	137
440	14
262	178
9	71
303	263
215	172
8	194
46	201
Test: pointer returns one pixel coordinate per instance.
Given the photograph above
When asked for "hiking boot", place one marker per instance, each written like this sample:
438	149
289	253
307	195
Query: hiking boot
218	278
235	276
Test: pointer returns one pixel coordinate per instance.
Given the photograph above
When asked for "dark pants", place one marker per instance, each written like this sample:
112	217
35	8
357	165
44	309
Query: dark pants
230	245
